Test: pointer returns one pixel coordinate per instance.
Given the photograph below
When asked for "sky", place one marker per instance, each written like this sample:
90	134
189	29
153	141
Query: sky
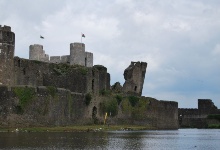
179	39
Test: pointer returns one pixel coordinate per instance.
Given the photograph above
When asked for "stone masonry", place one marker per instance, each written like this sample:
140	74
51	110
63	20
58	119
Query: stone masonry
78	55
134	78
7	46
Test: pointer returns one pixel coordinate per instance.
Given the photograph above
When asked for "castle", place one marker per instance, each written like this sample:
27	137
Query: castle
18	71
69	90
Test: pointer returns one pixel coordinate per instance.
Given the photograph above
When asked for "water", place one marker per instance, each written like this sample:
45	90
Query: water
182	139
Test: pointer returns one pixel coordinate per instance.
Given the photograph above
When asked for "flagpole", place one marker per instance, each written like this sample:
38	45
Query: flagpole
81	37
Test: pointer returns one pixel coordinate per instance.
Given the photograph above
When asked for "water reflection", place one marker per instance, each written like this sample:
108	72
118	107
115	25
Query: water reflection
178	139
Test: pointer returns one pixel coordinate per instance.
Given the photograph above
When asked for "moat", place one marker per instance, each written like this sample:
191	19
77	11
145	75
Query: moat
148	139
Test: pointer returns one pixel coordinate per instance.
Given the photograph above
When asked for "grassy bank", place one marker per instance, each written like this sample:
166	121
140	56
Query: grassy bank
84	128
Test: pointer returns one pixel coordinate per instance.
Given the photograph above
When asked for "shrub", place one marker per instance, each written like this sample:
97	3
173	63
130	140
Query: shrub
118	98
133	100
104	92
110	106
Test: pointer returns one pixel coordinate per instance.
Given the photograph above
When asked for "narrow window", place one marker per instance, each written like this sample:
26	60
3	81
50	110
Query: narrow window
135	88
86	62
19	63
93	85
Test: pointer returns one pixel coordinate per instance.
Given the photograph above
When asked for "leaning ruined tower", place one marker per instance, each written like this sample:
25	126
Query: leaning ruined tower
7	47
134	77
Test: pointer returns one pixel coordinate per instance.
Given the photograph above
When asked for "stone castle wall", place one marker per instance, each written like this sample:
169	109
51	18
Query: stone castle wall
197	117
75	78
23	106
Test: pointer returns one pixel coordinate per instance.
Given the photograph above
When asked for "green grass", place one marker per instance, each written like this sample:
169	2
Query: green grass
214	126
79	128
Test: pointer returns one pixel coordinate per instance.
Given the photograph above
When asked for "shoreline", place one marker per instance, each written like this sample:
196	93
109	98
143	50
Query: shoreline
78	128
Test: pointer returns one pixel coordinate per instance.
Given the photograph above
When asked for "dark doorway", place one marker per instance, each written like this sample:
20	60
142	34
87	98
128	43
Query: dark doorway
94	113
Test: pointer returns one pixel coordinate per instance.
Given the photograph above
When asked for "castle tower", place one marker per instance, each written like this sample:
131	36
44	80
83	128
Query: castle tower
7	46
77	54
134	78
36	52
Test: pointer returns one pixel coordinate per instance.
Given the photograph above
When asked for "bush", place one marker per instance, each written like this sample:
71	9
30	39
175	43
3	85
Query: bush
104	92
88	99
118	98
110	106
133	100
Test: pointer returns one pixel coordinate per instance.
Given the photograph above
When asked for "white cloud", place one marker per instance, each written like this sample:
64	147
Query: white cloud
178	39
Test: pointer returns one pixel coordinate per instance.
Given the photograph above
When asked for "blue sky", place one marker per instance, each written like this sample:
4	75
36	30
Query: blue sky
179	39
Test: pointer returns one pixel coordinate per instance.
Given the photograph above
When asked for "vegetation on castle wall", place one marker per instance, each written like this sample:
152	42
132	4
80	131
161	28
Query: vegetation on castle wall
119	98
63	69
88	99
70	103
214	116
214	126
104	92
52	91
25	95
133	100
126	106
37	61
110	106
138	112
83	70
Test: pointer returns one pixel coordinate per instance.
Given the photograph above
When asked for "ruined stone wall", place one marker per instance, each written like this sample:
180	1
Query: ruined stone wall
7	46
134	77
103	78
197	117
149	112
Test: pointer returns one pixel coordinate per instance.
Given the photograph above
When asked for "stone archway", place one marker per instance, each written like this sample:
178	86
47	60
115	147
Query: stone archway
94	113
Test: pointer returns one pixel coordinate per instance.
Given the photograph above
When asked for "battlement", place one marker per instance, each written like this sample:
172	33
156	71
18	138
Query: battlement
78	55
5	28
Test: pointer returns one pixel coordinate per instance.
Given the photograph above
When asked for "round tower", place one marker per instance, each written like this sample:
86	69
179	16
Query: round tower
7	46
77	54
36	52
